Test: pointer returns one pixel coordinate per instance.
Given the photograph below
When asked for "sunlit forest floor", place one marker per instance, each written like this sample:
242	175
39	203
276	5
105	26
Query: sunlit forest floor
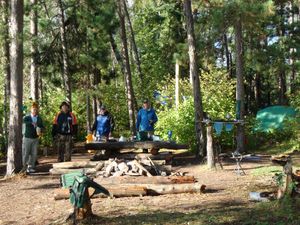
29	200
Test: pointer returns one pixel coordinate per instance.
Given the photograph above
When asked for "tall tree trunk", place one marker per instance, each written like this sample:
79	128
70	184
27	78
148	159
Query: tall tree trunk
227	54
210	147
134	47
14	153
196	82
88	104
282	100
65	57
41	91
282	87
177	77
96	82
128	78
6	65
293	52
240	92
34	75
116	52
257	91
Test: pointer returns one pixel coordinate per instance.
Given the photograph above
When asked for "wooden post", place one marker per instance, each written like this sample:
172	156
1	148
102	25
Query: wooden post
209	147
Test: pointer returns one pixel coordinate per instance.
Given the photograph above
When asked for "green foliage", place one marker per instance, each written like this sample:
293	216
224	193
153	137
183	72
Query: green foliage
218	101
295	100
113	97
180	121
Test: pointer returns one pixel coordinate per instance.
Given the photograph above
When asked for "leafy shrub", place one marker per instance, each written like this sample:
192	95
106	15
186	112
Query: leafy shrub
181	120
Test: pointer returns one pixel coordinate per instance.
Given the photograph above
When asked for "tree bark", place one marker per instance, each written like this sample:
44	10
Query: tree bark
134	47
14	153
282	100
6	66
88	113
65	57
96	82
116	52
240	92
128	77
257	91
282	87
88	105
196	82
210	148
34	75
177	77
227	54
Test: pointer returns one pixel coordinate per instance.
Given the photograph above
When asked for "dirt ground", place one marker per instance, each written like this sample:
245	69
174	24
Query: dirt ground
29	200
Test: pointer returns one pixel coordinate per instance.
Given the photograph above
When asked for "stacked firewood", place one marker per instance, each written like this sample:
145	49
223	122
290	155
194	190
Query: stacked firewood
114	167
123	178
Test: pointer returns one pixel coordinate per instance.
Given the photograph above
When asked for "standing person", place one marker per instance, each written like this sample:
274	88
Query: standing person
33	125
64	127
146	118
104	124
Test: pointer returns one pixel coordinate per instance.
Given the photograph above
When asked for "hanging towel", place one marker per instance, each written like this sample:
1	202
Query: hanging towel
218	126
228	126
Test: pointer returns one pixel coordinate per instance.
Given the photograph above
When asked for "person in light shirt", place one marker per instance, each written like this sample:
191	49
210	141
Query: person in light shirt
33	125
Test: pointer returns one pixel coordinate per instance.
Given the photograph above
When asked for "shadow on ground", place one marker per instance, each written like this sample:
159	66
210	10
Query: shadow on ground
224	213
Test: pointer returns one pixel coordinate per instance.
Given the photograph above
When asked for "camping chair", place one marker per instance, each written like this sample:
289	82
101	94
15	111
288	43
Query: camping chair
238	168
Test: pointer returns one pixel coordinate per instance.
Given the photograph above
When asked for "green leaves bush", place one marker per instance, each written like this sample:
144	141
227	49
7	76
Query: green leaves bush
218	101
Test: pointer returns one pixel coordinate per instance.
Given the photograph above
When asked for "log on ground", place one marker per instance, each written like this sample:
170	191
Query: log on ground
140	180
76	165
58	171
124	191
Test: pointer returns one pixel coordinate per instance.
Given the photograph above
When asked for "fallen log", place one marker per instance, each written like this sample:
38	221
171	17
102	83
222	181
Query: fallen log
140	180
76	165
139	190
126	191
58	171
163	189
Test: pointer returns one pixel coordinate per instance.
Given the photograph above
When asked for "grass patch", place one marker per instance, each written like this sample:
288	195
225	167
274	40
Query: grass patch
267	170
278	148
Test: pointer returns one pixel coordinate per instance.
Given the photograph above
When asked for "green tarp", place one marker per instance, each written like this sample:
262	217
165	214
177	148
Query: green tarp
272	118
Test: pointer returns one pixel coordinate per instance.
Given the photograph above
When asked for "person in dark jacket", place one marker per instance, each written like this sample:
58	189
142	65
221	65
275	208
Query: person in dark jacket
103	125
33	126
63	129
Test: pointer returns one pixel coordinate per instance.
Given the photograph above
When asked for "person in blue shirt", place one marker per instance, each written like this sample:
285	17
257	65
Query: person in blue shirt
104	124
146	118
